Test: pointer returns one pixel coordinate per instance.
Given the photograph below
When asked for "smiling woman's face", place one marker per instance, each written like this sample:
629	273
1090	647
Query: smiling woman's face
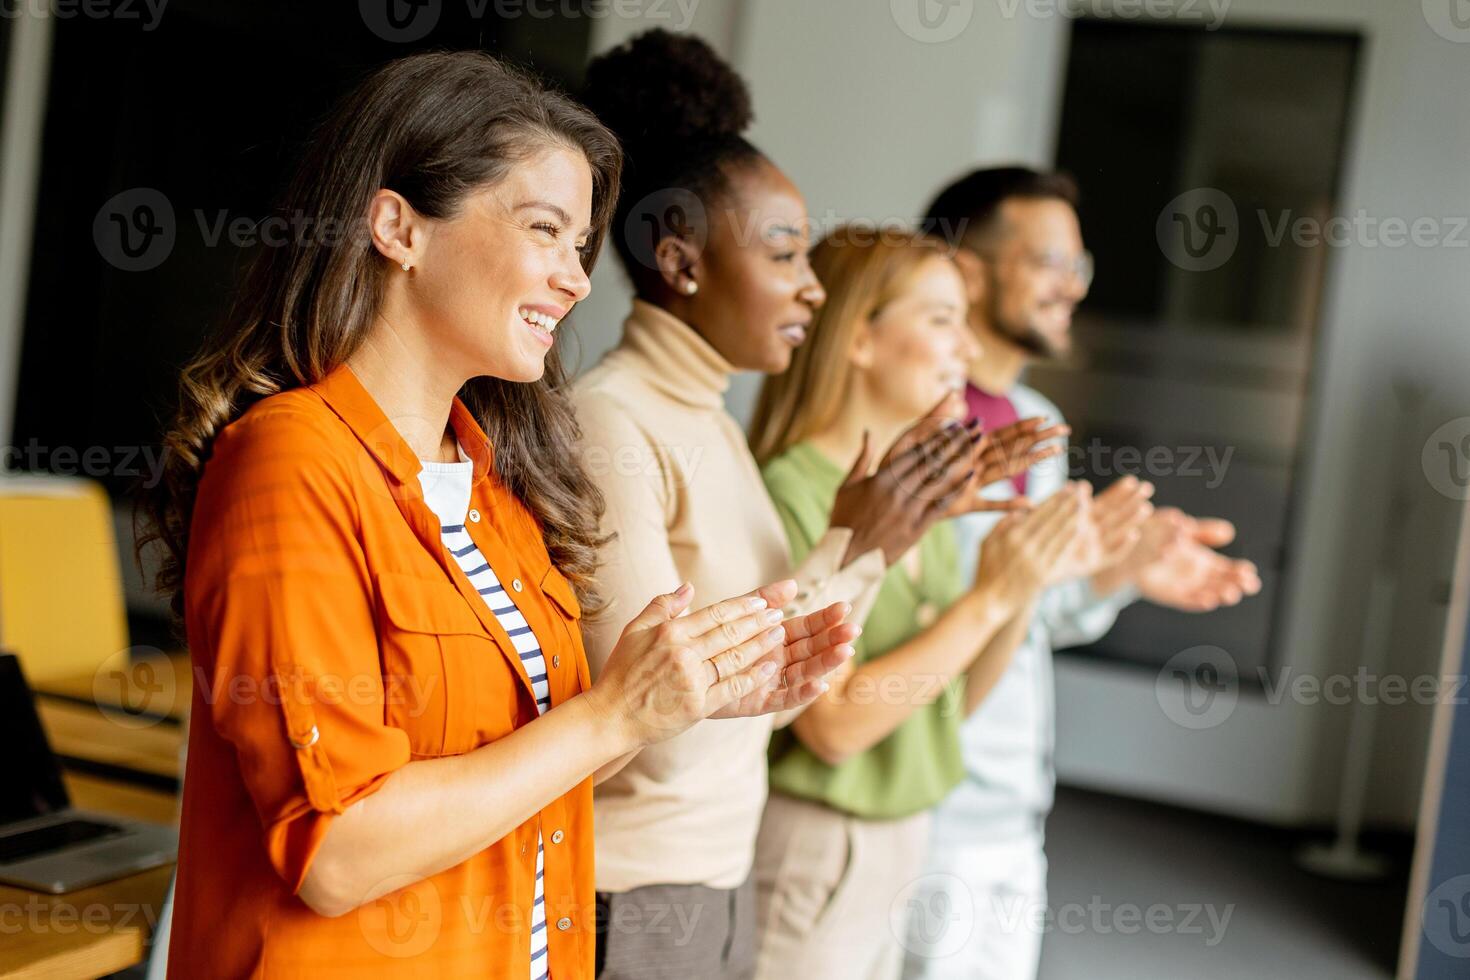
491	283
918	346
757	292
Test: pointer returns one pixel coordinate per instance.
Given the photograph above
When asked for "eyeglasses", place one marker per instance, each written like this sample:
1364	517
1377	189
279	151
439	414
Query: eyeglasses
1080	267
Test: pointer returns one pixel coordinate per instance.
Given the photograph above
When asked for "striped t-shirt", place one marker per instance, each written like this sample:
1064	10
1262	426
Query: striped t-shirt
447	492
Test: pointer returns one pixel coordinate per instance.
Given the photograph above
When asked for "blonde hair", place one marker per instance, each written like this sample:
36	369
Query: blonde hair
862	272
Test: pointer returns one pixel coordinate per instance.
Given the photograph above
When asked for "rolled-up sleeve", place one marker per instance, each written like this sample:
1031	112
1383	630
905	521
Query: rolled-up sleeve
282	626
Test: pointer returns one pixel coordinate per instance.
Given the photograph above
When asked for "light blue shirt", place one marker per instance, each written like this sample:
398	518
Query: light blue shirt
1007	743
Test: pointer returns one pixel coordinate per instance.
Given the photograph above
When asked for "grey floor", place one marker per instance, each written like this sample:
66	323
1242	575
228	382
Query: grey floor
1109	855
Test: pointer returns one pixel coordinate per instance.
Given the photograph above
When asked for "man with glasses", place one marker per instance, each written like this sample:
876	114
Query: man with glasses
978	911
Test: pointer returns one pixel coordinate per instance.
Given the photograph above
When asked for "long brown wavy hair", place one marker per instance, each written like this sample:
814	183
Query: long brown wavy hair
435	128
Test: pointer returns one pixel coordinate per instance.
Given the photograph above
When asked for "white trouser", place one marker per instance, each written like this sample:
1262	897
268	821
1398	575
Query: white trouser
978	913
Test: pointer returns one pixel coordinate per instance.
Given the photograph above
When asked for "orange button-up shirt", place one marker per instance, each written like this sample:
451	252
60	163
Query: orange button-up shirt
334	639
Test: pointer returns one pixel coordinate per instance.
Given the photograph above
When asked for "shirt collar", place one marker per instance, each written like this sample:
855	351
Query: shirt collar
352	403
673	358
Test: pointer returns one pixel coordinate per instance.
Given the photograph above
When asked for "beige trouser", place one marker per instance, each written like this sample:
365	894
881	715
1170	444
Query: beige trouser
831	891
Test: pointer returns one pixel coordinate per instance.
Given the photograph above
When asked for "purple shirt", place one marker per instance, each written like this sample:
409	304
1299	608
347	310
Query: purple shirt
994	412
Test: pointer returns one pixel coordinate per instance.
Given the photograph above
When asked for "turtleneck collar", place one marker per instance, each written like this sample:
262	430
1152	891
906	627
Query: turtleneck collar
674	359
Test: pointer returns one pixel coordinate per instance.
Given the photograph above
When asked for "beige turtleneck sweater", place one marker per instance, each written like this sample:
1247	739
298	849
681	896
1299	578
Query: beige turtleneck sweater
686	500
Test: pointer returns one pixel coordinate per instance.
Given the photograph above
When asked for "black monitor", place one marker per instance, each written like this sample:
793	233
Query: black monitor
32	786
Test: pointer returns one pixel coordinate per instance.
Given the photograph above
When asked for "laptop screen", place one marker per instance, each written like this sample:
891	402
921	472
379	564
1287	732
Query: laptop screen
32	785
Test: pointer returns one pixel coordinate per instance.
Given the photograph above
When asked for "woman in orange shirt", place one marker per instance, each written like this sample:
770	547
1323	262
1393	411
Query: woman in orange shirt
381	544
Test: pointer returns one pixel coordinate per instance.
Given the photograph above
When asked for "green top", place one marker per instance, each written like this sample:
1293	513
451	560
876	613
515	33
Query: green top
918	763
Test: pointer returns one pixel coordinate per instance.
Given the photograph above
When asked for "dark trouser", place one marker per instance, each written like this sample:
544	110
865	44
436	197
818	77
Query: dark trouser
676	932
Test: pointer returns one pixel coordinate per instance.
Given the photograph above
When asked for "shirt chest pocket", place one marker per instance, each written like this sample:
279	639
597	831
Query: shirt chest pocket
445	682
567	619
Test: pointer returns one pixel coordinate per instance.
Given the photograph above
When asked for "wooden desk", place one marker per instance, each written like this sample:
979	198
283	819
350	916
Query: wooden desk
82	934
122	725
118	763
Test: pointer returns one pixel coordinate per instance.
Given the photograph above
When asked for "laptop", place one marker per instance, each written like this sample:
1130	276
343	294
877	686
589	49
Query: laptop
45	845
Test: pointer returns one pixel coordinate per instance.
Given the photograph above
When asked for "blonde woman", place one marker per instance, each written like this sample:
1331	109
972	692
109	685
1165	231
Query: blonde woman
854	777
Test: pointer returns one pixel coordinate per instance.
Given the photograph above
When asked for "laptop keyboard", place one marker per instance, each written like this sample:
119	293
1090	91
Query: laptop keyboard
44	840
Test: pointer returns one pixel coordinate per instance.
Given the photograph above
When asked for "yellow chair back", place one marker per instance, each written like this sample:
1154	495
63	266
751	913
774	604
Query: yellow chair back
62	608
